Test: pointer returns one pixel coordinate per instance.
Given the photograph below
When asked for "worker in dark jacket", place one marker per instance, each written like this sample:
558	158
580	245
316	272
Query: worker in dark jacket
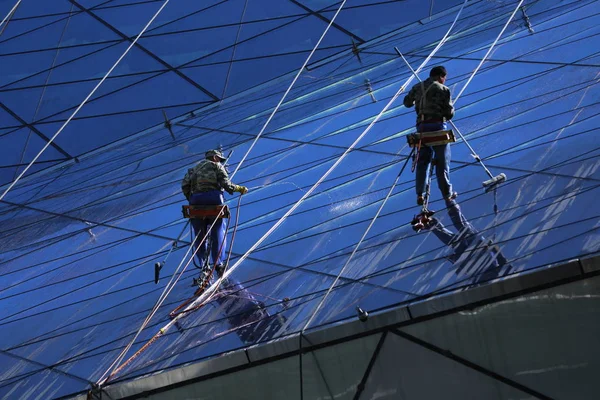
203	185
433	105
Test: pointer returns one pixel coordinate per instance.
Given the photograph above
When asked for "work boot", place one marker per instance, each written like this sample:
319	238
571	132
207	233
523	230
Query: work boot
423	221
452	196
220	269
203	280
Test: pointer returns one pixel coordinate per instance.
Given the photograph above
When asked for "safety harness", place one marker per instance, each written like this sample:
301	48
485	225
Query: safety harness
416	141
419	139
205	211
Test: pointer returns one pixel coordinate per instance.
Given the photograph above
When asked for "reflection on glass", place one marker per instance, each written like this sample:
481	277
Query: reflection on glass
471	252
248	316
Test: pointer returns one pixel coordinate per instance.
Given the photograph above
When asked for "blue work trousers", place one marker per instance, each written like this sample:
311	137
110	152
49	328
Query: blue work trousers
218	237
441	154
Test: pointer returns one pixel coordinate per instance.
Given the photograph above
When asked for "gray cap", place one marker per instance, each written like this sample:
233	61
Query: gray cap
217	153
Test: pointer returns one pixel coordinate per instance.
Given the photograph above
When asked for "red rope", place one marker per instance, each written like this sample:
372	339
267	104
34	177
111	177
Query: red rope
135	355
205	282
200	290
175	313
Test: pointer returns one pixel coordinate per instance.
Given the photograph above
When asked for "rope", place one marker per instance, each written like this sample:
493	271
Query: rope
439	45
469	81
288	89
195	261
174	245
175	314
487	53
467	84
211	290
206	280
235	227
8	16
166	291
51	140
360	241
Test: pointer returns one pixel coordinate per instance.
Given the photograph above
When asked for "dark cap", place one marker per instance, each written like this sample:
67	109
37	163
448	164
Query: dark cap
211	153
440	70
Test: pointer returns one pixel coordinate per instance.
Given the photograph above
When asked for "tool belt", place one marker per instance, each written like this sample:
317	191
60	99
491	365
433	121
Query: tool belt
202	212
435	138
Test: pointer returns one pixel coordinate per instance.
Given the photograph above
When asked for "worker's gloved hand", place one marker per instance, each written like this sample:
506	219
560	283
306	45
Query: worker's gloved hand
241	189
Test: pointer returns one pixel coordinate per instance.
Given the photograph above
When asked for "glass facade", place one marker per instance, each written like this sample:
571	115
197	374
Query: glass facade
81	232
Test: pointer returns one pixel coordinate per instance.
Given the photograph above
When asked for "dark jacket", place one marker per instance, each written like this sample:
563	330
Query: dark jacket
206	176
436	104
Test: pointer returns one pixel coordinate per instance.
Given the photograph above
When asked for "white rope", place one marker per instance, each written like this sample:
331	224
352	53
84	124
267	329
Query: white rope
83	102
213	288
415	74
163	296
337	278
171	284
467	84
9	16
440	44
81	105
475	155
288	89
488	53
210	291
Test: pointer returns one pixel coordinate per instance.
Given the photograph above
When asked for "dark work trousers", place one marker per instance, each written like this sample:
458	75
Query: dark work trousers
217	235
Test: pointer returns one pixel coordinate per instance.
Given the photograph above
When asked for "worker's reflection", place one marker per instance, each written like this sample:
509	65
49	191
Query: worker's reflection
250	317
471	252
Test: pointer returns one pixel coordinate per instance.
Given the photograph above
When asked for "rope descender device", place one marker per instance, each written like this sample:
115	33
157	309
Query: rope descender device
424	219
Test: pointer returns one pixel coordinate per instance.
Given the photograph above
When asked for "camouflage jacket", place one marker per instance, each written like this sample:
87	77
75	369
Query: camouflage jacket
436	104
206	176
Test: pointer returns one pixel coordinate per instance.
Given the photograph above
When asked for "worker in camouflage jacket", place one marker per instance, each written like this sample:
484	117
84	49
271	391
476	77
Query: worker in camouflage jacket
204	185
433	105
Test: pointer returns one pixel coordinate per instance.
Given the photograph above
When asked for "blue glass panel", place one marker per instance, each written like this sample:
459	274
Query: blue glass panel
87	134
30	9
255	12
23	26
31	382
178	49
79	29
187	43
24	146
211	76
390	16
78	244
177	17
129	19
